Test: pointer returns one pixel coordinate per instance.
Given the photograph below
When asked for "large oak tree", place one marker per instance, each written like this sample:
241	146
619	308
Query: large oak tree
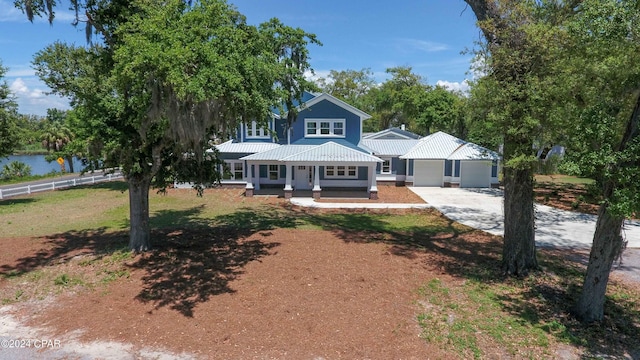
164	78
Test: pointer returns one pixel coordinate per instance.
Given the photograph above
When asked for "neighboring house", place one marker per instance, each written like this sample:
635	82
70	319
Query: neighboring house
324	149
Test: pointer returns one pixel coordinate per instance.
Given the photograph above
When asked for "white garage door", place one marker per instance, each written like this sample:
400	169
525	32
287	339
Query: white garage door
475	174
428	172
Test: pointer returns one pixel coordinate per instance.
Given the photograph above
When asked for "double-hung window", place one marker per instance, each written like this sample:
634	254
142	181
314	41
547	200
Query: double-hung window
340	172
324	127
233	170
255	131
385	168
274	173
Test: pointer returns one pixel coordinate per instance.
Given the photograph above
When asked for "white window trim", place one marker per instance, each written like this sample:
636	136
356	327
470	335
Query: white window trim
231	164
335	172
255	132
276	171
382	172
331	122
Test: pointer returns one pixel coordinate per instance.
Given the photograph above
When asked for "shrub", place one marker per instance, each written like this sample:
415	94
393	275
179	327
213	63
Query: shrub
15	169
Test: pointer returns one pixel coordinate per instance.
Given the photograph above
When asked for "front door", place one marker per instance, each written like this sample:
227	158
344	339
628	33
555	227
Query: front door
303	178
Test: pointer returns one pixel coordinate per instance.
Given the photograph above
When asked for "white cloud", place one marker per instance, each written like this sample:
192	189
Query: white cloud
317	74
33	100
462	87
421	45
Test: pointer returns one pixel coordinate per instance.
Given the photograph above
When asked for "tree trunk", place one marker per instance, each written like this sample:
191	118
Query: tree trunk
140	232
607	244
519	250
607	240
70	162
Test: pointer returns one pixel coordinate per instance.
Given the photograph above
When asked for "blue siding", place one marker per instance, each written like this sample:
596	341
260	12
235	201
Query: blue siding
410	167
396	166
281	133
448	166
401	168
363	173
327	110
457	169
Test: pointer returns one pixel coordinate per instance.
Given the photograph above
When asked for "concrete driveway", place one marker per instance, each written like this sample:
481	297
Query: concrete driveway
482	209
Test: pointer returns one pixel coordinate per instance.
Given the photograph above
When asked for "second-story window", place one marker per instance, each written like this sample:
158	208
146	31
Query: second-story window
324	127
254	130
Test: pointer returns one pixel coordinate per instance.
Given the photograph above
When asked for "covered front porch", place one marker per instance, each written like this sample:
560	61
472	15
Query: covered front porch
315	169
347	180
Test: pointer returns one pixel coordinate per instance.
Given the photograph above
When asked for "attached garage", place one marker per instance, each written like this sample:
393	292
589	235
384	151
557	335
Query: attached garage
440	157
475	174
428	172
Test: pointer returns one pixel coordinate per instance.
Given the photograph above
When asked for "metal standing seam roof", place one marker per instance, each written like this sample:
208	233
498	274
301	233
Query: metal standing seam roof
327	152
246	147
438	145
331	152
444	146
471	151
389	147
278	153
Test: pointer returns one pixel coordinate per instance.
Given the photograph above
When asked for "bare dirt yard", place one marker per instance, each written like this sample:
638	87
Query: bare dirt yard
262	285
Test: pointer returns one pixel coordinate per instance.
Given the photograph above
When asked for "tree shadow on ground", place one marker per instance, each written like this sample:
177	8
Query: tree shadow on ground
16	201
61	248
193	258
543	299
553	292
200	258
452	248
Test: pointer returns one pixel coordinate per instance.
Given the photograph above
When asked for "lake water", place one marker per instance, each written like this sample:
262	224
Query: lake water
40	166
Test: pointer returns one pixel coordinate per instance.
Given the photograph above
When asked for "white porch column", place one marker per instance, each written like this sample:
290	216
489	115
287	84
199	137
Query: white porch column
256	176
373	188
316	178
247	175
287	182
316	192
248	178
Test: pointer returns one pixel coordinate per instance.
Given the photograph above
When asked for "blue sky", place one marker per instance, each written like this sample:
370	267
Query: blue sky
428	35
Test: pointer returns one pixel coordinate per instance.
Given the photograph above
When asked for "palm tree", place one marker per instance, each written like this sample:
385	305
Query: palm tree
55	137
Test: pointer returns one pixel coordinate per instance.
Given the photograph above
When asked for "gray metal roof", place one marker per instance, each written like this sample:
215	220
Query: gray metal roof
444	146
392	133
327	152
246	147
332	152
471	151
389	147
279	153
435	146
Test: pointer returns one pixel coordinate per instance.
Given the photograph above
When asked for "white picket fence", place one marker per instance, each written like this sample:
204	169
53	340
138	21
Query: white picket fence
82	180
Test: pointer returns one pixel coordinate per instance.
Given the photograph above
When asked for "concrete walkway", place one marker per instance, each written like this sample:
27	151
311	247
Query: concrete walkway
482	209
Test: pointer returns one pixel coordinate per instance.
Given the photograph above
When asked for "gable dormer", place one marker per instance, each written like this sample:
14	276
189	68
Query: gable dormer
325	117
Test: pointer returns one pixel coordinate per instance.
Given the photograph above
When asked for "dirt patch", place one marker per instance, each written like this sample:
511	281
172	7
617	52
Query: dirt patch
278	294
387	194
573	197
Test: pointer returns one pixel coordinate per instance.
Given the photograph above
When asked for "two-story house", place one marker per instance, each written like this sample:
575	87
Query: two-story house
325	149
